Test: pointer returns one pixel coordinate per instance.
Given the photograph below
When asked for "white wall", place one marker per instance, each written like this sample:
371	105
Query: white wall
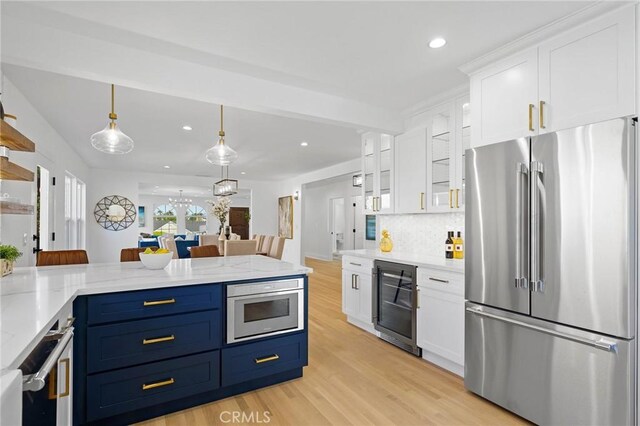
293	248
316	198
53	153
105	246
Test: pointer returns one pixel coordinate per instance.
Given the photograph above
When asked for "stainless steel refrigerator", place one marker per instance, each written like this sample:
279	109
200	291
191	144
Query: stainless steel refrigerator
550	275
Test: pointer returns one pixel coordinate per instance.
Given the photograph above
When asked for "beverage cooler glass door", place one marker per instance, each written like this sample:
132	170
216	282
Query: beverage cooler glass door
583	226
496	225
396	300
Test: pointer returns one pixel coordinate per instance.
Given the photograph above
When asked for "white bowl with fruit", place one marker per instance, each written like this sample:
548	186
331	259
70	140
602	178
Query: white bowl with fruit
158	259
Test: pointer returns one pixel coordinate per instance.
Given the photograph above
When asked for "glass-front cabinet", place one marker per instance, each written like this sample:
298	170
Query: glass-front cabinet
448	139
377	172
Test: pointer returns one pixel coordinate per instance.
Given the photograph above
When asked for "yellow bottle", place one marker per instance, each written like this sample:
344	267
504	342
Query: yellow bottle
458	247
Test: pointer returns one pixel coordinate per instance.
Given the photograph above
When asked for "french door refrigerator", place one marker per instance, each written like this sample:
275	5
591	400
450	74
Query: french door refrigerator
550	275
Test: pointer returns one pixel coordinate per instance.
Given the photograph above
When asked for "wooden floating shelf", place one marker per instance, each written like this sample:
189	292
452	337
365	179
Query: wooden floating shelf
11	171
13	139
8	207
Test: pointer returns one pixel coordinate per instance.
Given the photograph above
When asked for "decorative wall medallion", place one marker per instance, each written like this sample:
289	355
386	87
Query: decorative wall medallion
110	221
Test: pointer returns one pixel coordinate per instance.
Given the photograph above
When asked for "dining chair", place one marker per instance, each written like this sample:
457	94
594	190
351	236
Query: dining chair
259	239
170	244
277	247
62	257
133	254
265	247
239	247
209	240
205	251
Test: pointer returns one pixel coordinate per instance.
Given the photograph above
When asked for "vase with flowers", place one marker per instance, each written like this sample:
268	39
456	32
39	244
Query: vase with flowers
220	209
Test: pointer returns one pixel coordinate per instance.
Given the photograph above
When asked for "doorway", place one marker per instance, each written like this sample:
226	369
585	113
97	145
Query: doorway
337	225
356	222
239	221
44	211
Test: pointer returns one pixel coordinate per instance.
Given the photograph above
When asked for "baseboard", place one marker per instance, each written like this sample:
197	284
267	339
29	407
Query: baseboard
443	362
318	257
363	325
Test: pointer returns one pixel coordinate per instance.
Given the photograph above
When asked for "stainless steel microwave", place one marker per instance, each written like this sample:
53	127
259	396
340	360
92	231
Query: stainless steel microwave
256	310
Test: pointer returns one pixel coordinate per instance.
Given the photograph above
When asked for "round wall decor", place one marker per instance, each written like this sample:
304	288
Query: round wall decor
111	221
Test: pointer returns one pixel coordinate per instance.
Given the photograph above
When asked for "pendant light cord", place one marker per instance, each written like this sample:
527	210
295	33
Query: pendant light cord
113	116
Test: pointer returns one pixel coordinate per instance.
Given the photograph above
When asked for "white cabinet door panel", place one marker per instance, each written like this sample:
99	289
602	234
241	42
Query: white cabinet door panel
500	96
411	171
441	324
587	74
350	299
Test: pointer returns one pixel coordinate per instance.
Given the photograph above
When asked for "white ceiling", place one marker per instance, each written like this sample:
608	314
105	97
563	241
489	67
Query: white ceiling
375	52
268	146
188	191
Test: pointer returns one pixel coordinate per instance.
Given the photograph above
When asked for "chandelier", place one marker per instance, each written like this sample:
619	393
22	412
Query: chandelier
180	201
225	186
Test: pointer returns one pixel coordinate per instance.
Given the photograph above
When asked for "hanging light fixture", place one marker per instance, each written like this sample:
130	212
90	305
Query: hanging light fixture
111	140
180	201
225	186
221	154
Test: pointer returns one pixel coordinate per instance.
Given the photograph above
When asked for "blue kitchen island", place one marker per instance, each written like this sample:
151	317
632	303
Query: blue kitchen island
147	343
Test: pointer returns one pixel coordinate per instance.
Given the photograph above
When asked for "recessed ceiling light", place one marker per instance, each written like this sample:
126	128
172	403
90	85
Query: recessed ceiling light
437	43
304	143
187	128
167	167
243	173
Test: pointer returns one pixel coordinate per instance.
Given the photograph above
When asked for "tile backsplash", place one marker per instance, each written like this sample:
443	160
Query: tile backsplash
425	233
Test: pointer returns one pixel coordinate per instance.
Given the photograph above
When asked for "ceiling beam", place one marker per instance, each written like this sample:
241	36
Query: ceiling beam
46	44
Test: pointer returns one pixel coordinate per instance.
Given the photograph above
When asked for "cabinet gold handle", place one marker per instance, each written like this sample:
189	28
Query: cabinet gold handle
158	384
531	107
159	302
267	359
457	196
422	201
451	198
158	340
542	103
53	382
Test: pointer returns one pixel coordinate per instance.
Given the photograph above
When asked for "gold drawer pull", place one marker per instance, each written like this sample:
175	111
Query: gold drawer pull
158	384
158	340
266	359
53	382
457	196
451	198
159	302
531	107
542	104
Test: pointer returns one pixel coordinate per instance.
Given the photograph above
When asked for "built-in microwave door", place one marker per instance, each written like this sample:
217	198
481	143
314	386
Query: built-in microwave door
264	314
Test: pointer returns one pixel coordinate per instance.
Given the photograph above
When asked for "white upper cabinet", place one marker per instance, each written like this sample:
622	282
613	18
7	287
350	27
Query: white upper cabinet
503	98
581	76
441	158
588	74
411	173
377	172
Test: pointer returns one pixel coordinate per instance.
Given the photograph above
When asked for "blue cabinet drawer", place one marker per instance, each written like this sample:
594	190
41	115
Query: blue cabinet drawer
137	342
129	389
152	303
255	360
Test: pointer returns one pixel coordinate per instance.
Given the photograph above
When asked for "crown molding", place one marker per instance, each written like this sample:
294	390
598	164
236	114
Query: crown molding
545	32
436	100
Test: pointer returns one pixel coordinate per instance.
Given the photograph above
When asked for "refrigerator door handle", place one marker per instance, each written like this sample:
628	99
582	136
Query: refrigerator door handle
604	344
537	284
520	280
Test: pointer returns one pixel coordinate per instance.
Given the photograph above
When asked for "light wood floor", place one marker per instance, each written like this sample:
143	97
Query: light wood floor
353	378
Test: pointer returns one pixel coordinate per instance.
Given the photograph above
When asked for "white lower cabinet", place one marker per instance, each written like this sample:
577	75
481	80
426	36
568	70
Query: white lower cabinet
440	318
356	291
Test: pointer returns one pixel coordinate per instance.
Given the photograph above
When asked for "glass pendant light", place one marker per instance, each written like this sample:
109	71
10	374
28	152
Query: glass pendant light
221	154
111	140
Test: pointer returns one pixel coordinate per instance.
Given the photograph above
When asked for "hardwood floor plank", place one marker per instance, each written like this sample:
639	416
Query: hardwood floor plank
353	378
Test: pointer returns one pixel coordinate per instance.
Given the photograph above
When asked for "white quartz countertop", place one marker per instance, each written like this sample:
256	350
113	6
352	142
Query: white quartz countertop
410	258
31	298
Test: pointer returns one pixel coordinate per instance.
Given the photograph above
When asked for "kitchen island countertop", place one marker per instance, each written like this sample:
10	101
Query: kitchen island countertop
31	298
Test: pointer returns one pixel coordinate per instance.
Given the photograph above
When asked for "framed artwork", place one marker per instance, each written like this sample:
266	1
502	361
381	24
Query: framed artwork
285	217
141	217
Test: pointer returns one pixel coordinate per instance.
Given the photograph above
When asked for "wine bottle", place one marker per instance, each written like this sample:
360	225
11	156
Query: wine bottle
458	247
449	245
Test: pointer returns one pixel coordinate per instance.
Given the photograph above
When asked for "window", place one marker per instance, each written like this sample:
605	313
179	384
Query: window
195	218
75	212
164	220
